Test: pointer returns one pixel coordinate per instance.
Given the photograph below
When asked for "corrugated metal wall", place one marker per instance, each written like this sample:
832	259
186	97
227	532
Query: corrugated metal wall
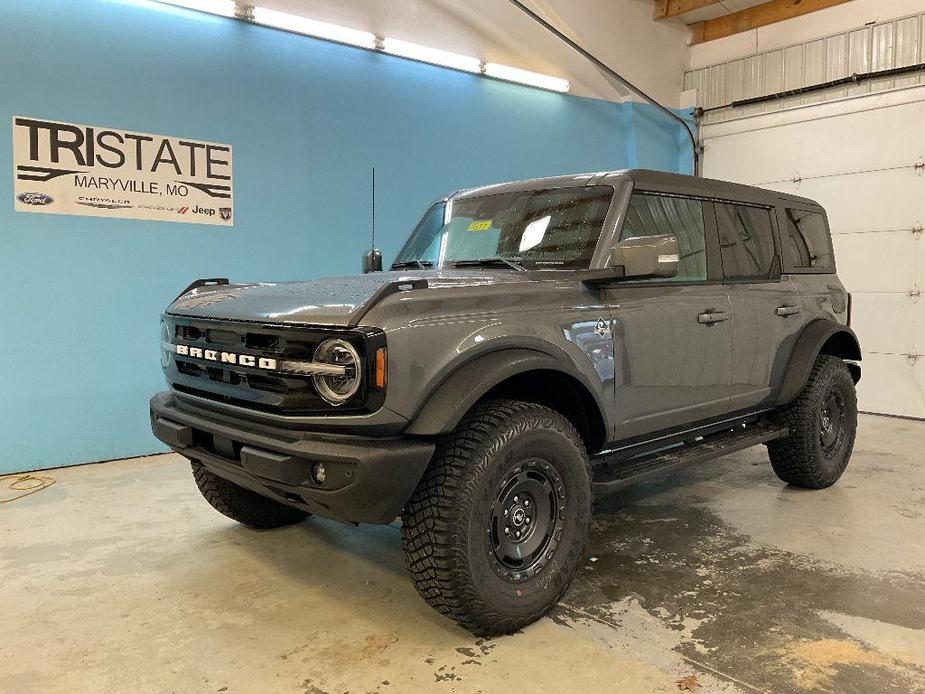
896	43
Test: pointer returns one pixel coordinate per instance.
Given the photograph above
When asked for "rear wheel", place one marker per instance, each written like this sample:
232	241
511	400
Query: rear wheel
823	423
496	528
243	505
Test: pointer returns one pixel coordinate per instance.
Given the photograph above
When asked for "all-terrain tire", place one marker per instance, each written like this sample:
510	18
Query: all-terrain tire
814	456
243	505
455	527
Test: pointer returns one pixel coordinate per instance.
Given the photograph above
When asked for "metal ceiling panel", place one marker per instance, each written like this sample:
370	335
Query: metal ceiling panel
882	46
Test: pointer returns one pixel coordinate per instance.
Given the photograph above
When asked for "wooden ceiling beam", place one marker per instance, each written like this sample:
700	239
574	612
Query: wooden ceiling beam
754	17
666	9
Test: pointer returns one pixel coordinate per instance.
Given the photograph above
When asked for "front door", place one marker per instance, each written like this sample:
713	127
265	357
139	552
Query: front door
672	337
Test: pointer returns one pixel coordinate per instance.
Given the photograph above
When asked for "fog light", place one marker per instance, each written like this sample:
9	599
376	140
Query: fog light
318	473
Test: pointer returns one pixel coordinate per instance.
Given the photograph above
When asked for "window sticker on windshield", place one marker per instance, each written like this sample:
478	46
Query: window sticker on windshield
480	225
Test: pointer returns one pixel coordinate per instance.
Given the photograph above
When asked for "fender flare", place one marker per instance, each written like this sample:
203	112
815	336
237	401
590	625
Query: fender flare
807	349
446	404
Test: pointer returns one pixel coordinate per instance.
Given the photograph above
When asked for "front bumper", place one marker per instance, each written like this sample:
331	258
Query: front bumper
367	480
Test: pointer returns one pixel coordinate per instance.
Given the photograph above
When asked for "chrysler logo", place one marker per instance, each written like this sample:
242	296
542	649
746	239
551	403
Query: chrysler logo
226	357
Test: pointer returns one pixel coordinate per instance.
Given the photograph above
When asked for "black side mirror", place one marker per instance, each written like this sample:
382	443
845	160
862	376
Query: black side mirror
372	261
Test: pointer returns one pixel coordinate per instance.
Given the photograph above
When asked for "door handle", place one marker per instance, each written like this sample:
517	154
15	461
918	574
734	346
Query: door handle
710	317
787	310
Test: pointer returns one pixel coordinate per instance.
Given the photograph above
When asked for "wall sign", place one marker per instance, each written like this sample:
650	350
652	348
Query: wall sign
65	168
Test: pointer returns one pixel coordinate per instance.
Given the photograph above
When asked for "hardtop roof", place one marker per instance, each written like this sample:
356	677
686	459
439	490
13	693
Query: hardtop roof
655	181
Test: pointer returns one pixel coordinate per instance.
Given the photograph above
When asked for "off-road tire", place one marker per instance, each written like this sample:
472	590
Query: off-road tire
447	524
801	459
243	505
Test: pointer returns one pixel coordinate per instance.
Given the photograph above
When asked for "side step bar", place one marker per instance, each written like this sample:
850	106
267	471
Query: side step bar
611	477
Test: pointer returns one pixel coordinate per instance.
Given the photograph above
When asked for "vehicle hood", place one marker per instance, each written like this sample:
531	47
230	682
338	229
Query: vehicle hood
340	301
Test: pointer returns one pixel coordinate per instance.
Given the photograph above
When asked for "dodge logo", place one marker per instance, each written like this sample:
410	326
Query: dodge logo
226	357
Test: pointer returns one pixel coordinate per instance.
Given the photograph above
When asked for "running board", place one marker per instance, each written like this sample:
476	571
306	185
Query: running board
611	477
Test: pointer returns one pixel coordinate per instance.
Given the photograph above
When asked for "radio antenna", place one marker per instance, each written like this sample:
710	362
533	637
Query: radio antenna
373	243
372	259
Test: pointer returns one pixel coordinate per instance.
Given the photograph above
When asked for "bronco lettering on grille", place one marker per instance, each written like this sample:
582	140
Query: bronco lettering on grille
227	357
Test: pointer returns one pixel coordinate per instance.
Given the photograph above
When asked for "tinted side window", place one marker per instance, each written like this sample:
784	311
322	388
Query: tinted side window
654	215
806	244
746	239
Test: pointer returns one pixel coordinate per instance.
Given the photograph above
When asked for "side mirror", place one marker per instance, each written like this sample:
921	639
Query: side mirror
647	256
372	261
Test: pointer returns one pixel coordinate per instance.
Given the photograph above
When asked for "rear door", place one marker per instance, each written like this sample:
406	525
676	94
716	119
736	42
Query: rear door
806	247
767	316
672	337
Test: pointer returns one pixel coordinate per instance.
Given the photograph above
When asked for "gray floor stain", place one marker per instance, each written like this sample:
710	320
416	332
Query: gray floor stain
743	609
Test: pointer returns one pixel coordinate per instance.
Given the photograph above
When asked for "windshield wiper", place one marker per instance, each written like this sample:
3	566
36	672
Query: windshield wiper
509	262
421	264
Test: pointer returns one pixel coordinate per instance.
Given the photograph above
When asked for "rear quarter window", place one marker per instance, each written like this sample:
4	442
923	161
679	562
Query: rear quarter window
806	241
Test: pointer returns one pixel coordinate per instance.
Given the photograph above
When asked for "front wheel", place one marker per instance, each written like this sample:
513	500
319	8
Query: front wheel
823	421
495	530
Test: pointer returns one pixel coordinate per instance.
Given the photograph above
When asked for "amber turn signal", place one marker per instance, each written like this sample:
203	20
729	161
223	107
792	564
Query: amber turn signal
380	368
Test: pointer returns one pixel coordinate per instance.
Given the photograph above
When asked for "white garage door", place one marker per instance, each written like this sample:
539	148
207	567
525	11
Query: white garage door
864	160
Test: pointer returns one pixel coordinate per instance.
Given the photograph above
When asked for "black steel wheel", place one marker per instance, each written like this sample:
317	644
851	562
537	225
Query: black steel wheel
495	530
526	519
832	423
822	423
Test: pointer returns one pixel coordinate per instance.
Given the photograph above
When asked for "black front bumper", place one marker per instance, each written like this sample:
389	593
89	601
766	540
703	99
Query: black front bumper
367	480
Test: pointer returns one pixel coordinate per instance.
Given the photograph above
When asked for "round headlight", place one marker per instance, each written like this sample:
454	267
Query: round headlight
166	347
337	388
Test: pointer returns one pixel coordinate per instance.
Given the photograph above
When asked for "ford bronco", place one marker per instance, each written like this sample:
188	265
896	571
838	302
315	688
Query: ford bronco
534	344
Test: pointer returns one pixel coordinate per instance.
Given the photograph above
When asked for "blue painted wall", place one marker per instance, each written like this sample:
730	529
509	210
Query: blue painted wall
80	296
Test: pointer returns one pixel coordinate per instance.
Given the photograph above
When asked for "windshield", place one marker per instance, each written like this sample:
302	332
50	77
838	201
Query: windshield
537	229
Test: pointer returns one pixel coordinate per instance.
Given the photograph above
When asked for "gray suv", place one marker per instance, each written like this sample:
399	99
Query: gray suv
534	345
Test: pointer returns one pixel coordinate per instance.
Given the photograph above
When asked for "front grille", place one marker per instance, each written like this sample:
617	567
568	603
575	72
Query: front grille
268	343
270	391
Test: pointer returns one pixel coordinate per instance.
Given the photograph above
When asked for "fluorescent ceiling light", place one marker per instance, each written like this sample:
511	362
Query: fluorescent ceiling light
312	27
225	8
432	55
534	79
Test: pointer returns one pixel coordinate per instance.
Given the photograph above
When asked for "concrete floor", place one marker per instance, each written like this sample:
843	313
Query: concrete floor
120	578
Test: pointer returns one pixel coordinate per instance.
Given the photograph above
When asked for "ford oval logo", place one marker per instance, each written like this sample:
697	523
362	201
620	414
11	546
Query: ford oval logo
35	198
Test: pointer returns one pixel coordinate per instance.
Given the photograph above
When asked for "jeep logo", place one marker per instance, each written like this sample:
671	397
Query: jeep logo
226	357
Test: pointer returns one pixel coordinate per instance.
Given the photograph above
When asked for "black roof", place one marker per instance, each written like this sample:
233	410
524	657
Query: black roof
655	181
664	182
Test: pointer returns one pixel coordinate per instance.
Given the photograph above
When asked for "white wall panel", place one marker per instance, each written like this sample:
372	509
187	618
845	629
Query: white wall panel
859	47
869	201
892	384
814	70
821	146
885	320
893	270
908	40
918	319
858	158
